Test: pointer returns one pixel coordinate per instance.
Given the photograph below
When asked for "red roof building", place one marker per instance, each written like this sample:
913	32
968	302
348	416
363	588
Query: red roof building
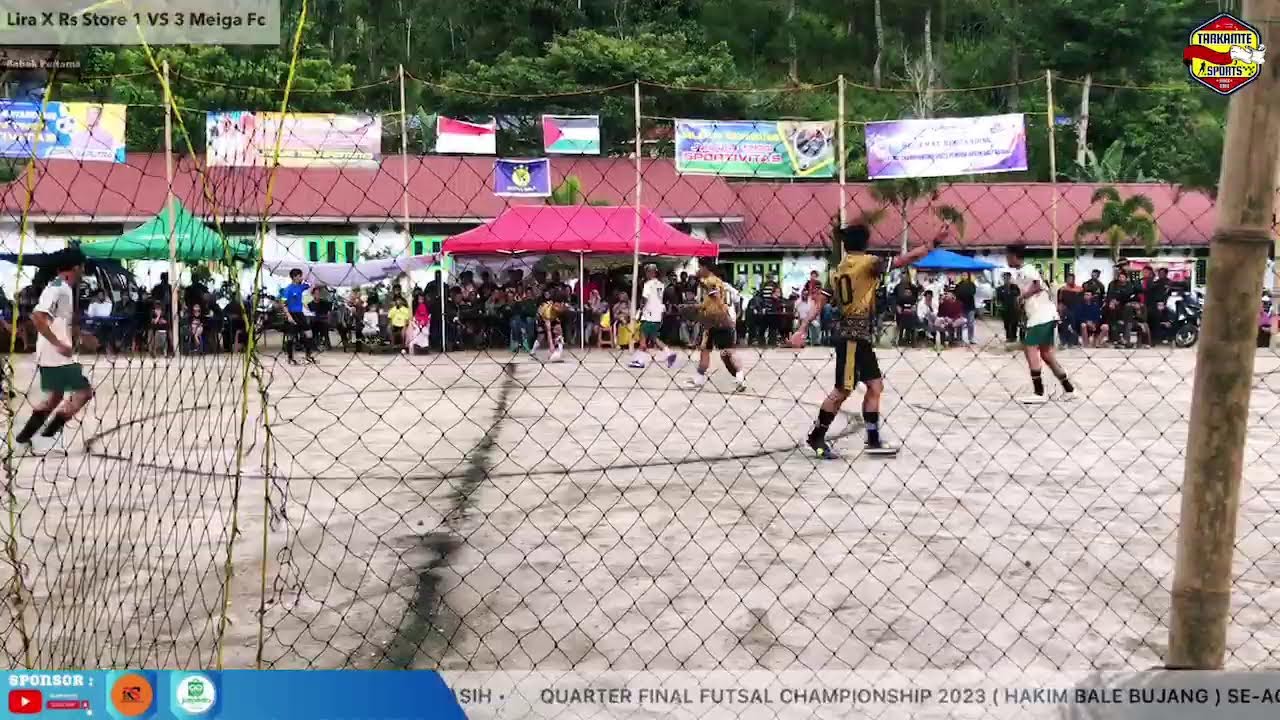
443	190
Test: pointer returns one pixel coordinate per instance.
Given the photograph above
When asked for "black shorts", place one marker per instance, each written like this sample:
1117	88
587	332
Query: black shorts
855	363
718	338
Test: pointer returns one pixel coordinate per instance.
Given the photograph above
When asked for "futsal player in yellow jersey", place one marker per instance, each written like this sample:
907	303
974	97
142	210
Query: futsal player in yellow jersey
853	289
717	328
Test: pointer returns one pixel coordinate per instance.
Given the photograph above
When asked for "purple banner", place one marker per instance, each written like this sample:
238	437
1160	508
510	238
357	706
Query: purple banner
937	147
522	178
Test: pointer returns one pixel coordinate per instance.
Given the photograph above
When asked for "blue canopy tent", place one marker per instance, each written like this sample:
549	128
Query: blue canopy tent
945	260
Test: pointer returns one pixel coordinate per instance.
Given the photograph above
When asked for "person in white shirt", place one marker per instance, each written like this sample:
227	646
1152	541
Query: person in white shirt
59	370
927	312
1041	313
372	322
100	307
651	312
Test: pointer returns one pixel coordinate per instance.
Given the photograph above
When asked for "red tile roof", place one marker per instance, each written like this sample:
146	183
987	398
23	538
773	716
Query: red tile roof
453	189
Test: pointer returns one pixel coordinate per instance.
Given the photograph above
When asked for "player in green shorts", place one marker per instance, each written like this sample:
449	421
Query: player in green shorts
1042	320
61	377
651	311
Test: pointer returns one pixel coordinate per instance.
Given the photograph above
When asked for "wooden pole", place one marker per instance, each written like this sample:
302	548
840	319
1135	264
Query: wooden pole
844	196
635	255
1224	364
175	282
1053	171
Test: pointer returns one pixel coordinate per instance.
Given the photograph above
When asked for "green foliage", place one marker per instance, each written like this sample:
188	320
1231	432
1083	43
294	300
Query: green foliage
1113	167
551	47
1120	221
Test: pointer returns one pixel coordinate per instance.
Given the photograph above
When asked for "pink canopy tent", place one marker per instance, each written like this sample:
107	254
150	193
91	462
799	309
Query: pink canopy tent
576	230
546	229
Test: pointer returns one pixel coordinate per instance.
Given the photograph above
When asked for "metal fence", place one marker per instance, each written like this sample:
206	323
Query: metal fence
428	493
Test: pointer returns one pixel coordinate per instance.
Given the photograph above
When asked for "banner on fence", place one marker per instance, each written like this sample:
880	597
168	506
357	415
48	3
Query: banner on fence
571	134
756	148
242	138
936	147
70	130
460	136
1180	269
522	178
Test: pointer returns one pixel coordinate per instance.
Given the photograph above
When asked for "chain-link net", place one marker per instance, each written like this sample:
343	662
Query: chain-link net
464	460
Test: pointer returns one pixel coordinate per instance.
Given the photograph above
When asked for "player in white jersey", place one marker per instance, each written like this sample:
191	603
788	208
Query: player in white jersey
1041	313
61	377
651	311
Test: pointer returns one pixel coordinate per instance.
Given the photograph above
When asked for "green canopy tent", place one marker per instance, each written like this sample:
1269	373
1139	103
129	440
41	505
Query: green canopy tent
194	240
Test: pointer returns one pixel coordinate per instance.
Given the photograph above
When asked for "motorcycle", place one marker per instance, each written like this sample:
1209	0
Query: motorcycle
1186	320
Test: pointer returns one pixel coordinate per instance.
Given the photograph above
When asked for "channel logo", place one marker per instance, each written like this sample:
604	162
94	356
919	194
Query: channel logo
25	702
132	695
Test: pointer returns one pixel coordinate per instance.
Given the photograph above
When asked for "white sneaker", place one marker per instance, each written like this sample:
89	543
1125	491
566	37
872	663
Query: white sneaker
1032	399
1067	395
698	380
555	357
636	364
741	379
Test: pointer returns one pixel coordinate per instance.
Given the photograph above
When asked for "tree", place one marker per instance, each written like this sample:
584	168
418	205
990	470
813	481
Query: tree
902	194
569	192
1112	168
1120	221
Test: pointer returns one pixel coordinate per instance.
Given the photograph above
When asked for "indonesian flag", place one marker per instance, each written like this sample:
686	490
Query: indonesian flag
571	134
460	136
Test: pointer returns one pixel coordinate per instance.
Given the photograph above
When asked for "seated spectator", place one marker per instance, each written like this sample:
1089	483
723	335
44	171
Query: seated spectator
321	308
927	314
371	328
196	319
159	330
99	322
398	318
523	325
1161	320
419	337
951	318
1113	316
1092	328
620	316
906	298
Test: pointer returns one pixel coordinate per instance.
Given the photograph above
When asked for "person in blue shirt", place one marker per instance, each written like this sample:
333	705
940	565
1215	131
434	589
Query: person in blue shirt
296	330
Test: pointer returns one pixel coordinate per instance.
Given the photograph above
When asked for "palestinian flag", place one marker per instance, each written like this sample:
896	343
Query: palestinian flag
571	134
460	136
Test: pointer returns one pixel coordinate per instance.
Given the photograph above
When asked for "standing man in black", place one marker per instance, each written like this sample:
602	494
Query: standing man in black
1007	296
1094	285
1155	292
967	293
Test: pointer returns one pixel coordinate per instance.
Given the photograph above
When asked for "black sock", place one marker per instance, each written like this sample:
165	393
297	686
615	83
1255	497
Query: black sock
872	421
55	425
819	432
1037	382
1066	384
34	423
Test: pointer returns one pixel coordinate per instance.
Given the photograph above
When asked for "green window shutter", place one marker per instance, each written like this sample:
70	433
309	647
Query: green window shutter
313	251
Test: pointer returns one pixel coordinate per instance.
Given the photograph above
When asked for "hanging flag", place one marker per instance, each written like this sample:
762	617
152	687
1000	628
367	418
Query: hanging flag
460	136
522	178
571	134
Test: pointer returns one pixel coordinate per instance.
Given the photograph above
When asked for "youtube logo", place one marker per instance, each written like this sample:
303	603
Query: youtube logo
24	702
